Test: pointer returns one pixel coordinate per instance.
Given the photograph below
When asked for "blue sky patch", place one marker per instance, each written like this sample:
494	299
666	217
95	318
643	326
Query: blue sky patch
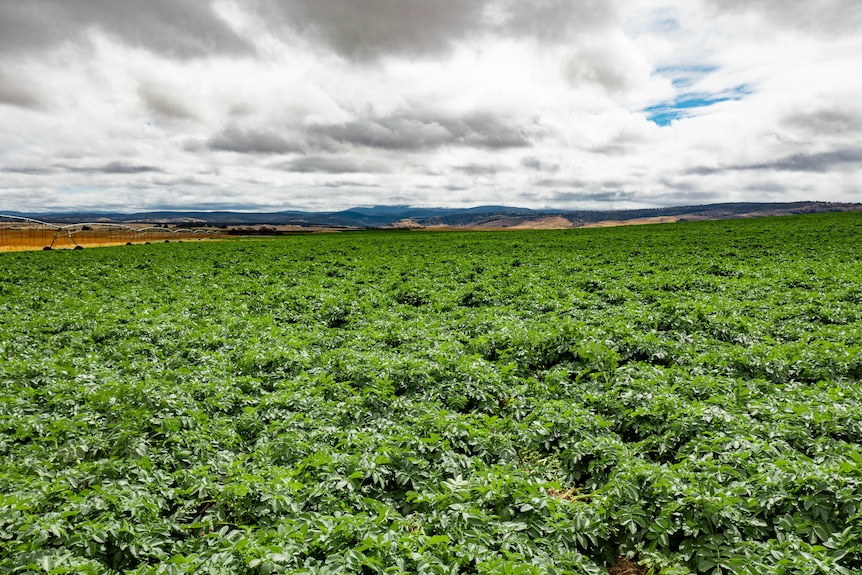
684	104
689	70
685	76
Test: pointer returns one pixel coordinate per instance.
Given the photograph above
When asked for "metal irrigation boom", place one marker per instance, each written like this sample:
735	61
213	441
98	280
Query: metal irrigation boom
69	230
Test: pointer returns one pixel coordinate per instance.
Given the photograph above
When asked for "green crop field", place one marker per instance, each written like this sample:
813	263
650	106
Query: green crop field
687	395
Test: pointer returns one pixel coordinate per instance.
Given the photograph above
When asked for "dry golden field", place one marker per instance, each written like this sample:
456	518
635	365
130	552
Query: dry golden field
21	238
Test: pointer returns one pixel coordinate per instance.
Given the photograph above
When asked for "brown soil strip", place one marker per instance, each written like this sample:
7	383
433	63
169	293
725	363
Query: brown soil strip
13	240
625	566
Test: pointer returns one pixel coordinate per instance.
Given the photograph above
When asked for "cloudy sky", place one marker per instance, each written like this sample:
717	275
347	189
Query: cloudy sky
327	104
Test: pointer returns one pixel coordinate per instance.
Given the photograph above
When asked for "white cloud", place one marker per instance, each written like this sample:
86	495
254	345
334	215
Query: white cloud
328	104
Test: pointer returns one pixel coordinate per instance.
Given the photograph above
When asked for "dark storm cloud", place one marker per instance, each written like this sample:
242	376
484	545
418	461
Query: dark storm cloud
332	165
600	65
252	141
424	133
28	170
376	28
603	196
554	20
373	28
486	131
397	133
17	89
14	95
166	103
706	170
392	133
820	162
560	183
825	16
349	184
123	168
534	163
478	169
825	122
180	29
110	168
182	181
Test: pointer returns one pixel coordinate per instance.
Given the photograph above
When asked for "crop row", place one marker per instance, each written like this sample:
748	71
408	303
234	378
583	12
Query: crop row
385	402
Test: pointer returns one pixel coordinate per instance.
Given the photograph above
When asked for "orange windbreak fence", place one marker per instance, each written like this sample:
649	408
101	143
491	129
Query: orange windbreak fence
22	233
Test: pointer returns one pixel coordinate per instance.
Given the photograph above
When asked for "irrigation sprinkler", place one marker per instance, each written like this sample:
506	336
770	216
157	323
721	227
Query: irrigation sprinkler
111	231
21	232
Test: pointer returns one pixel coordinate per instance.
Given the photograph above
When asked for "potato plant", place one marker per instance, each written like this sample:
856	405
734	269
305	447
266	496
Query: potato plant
533	402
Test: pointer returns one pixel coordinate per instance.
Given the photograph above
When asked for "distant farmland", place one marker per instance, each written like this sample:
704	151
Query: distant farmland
22	233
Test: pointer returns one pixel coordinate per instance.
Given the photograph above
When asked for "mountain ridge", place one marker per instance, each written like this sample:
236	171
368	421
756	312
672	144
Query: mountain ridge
467	218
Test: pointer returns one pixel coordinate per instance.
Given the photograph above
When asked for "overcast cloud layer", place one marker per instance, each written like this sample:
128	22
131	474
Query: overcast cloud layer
327	104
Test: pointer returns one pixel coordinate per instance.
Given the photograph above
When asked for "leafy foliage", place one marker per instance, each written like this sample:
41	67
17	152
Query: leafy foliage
387	402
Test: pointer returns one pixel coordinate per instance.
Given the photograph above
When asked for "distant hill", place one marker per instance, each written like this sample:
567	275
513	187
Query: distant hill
508	219
462	218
